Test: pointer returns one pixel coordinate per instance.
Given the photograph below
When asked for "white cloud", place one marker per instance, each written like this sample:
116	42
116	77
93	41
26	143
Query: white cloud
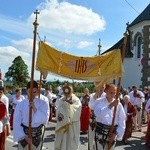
25	45
57	21
8	54
66	43
84	44
69	17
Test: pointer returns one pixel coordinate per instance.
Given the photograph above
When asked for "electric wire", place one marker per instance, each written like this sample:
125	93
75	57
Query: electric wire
132	6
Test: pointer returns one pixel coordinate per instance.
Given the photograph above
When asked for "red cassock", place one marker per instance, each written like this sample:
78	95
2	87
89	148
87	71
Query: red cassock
84	119
2	110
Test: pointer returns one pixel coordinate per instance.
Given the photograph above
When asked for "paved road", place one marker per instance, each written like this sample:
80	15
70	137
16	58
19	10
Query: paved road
135	143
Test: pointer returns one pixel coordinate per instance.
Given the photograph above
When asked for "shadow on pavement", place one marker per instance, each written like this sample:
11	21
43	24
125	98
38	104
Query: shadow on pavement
49	138
134	144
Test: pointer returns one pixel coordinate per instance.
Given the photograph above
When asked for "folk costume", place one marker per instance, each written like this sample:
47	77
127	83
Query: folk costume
104	116
3	112
85	113
21	123
147	108
15	101
130	113
137	99
92	121
4	122
67	130
51	99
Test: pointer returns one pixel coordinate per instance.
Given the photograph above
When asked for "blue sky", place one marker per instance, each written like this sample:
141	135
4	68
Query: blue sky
72	26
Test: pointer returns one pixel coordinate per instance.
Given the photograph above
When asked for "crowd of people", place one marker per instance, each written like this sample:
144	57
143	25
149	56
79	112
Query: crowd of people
103	117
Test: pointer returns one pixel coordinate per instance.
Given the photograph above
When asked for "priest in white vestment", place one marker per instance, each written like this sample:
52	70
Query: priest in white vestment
68	113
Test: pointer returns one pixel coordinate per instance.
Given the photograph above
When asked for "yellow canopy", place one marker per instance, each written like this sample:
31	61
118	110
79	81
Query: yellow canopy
97	68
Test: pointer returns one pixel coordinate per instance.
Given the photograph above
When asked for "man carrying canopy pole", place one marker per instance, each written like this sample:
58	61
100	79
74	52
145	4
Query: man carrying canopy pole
110	117
40	115
118	89
31	114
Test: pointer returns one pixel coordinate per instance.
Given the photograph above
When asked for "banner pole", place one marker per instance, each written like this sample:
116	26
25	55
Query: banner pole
118	90
40	85
32	77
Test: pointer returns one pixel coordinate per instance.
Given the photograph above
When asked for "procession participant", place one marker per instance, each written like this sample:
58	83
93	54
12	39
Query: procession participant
67	132
60	91
94	97
86	111
103	111
146	95
125	92
130	113
100	92
137	99
51	96
85	92
147	108
17	98
5	130
3	113
40	114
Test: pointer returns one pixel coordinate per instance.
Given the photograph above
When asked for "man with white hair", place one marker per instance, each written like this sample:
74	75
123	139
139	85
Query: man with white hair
137	99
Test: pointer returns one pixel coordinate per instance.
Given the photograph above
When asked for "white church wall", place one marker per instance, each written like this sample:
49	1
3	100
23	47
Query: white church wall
132	75
133	65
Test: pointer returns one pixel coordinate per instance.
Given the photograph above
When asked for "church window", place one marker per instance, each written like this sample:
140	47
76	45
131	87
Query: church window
138	47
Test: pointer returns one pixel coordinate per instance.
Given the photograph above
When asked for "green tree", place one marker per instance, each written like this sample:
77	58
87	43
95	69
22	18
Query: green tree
18	72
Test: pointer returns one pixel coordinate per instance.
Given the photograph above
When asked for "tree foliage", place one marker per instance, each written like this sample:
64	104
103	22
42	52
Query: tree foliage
18	72
77	86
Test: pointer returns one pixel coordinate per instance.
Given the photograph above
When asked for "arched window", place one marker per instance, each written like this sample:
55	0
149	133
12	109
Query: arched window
138	47
139	43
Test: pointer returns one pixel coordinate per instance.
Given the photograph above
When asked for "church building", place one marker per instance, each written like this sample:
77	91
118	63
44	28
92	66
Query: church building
137	53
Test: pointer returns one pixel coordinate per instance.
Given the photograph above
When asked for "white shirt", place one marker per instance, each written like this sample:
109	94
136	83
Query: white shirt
93	101
135	100
21	116
1	127
15	101
104	115
60	91
51	96
44	98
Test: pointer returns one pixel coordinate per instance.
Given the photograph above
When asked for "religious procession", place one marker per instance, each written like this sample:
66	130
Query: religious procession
90	115
107	117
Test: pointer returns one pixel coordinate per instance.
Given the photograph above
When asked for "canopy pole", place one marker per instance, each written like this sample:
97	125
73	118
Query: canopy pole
32	76
40	85
118	90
